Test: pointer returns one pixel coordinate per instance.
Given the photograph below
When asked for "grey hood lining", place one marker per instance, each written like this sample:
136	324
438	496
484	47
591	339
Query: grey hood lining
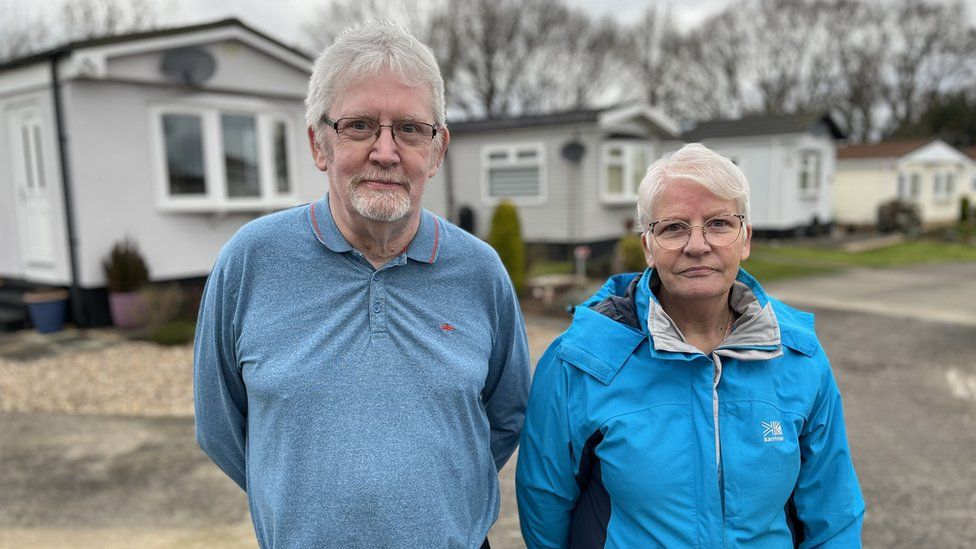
755	335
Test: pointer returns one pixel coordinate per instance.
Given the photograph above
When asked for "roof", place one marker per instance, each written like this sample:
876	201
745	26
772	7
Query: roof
762	125
511	122
886	149
969	151
94	42
606	117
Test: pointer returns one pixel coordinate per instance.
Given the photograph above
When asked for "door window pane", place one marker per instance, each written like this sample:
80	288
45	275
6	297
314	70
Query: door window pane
28	157
38	160
282	184
241	155
184	153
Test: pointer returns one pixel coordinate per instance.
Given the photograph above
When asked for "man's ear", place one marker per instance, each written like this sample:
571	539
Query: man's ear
646	245
436	163
321	159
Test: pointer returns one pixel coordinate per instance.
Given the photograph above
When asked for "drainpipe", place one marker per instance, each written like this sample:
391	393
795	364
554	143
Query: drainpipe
449	189
77	310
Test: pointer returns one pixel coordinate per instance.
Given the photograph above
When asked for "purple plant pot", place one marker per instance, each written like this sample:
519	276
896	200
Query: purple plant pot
129	309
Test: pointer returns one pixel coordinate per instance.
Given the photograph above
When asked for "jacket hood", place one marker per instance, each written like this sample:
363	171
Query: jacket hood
625	312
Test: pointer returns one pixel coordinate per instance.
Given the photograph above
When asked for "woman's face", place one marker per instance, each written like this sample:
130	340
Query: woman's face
697	271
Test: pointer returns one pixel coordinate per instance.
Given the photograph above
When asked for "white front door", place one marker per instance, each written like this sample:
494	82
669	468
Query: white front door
32	186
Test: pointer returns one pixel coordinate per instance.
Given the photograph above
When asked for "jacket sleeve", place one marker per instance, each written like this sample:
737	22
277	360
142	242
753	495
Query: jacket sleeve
219	395
507	385
827	495
544	481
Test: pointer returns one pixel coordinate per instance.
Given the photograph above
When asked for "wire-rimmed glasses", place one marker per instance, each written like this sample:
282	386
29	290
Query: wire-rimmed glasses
720	230
405	132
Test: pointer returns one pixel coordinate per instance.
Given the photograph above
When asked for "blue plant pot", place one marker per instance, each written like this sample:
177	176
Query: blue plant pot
47	313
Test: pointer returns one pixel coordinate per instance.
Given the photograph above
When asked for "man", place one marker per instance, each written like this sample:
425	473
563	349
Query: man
361	368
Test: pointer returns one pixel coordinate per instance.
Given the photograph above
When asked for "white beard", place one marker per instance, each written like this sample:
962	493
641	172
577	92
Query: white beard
377	205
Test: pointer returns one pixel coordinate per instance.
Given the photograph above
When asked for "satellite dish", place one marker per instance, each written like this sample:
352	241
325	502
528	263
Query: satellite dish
189	66
573	151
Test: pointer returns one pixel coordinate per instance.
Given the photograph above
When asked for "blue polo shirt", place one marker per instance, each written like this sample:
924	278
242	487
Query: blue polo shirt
360	407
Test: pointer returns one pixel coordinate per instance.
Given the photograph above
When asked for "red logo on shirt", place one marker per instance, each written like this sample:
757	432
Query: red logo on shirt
447	327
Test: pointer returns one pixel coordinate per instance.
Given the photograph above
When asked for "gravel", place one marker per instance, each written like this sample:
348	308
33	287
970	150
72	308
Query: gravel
134	378
129	378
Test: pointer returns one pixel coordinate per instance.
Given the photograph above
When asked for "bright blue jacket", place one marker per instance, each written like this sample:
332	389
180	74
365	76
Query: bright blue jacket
634	438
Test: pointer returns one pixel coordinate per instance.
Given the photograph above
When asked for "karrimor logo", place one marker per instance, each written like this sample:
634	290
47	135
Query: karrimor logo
772	431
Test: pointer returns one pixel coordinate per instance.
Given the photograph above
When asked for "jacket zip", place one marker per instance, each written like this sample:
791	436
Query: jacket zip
716	378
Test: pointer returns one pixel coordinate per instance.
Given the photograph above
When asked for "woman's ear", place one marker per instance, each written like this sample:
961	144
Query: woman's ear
646	244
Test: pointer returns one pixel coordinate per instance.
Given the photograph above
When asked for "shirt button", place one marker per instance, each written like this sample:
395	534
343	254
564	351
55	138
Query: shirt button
377	307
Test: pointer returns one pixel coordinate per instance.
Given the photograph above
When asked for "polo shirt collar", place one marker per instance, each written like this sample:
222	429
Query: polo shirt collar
424	247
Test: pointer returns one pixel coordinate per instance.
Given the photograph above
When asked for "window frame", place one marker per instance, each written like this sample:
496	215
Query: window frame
215	197
511	151
629	146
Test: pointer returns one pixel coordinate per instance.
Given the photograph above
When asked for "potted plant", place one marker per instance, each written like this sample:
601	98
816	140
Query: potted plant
126	274
46	308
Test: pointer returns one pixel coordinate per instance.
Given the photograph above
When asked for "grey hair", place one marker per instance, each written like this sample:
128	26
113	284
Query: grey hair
693	162
365	50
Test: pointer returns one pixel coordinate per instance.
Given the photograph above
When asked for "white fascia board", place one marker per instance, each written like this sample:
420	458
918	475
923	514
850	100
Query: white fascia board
25	79
92	62
937	152
615	117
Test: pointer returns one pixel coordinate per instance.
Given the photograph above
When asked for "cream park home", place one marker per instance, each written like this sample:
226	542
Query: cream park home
927	172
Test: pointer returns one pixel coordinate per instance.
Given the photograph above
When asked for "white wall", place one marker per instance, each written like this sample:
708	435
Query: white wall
572	210
771	165
113	182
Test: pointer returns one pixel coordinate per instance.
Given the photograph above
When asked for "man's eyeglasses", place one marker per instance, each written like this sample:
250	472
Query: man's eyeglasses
405	132
719	231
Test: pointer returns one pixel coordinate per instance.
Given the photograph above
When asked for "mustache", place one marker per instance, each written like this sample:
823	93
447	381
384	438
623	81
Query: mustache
378	175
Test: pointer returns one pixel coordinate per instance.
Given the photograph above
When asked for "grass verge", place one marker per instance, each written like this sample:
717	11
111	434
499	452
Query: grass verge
775	262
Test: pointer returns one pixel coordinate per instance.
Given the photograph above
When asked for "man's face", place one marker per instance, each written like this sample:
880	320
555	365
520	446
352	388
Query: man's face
698	270
381	179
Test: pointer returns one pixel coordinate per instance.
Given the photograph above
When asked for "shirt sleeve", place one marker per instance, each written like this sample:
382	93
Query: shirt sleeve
544	481
507	386
219	394
827	495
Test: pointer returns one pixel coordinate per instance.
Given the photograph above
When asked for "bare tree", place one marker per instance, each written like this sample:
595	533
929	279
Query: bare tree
930	54
491	46
21	29
330	18
580	66
85	19
652	48
27	28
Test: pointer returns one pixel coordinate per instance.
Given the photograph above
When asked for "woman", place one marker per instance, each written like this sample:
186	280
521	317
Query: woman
683	407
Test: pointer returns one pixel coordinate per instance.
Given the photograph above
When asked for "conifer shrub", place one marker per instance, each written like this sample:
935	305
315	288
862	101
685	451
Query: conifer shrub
899	216
505	236
630	253
125	269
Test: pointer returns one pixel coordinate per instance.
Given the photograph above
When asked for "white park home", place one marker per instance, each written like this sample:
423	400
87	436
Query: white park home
174	138
789	161
927	172
573	175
